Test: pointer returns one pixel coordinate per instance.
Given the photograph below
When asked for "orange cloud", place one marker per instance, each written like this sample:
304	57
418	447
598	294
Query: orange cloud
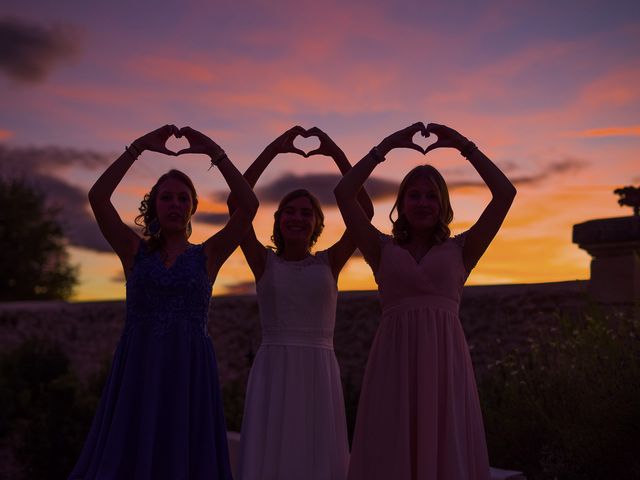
633	131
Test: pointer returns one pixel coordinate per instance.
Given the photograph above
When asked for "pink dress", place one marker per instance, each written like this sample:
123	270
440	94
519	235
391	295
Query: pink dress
419	415
294	425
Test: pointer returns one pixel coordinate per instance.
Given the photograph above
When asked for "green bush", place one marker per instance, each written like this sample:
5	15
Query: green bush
569	407
44	410
233	395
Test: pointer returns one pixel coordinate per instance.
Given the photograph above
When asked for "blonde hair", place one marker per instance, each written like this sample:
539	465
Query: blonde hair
401	227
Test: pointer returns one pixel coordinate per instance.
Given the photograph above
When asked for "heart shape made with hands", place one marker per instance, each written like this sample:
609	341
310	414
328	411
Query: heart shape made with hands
424	142
175	144
306	142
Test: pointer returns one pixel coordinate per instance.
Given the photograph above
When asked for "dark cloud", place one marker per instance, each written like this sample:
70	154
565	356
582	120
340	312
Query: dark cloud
35	166
321	185
46	158
566	165
241	288
28	51
211	218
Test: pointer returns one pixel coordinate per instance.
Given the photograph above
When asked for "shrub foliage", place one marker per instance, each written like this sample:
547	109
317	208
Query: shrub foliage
569	407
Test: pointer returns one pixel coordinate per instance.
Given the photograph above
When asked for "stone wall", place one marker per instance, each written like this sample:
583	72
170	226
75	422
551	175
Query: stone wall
495	319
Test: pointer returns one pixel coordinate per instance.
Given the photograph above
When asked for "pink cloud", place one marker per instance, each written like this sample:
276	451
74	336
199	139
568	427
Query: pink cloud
614	88
6	134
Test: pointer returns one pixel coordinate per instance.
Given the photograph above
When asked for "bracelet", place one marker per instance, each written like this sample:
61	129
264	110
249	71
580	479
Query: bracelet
215	161
377	156
468	149
133	151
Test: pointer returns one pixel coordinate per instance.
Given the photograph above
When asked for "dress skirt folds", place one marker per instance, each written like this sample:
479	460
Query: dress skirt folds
294	424
160	416
419	415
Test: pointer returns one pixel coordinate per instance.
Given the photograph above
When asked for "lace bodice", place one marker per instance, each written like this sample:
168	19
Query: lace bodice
169	298
297	301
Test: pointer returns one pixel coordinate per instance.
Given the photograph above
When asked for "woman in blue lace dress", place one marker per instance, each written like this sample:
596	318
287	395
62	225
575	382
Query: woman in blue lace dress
160	416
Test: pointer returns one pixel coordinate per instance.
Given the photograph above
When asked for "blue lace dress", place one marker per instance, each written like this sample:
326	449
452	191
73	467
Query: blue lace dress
160	416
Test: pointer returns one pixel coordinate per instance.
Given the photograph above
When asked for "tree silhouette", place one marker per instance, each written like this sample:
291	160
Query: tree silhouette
34	264
629	197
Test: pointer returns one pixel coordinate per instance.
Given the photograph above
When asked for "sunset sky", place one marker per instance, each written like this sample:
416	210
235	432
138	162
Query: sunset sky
550	90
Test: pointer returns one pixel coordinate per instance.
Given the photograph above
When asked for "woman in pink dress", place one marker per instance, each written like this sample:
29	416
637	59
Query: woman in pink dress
294	424
419	415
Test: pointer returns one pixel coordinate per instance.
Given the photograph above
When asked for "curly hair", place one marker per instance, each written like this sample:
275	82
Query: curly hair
277	239
401	228
148	214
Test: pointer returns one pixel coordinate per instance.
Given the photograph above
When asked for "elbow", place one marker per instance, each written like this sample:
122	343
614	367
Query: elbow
93	197
504	195
252	207
507	195
340	193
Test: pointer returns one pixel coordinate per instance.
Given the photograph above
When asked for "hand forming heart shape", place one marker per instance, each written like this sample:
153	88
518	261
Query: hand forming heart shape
159	139
446	137
424	142
177	143
306	145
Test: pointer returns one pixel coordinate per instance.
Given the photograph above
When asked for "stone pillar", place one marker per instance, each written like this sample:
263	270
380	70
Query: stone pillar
614	244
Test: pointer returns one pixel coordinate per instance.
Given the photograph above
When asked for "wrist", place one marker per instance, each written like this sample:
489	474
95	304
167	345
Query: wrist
383	148
133	151
216	157
467	149
137	144
377	154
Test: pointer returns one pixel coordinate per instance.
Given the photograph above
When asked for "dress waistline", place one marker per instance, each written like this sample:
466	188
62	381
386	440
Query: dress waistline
297	341
423	301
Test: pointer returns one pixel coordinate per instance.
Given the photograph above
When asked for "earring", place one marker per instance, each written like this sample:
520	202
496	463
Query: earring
154	228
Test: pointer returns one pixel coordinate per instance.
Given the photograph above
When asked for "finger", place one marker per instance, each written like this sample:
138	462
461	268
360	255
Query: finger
166	131
297	129
433	146
434	127
413	146
299	152
183	151
315	131
316	151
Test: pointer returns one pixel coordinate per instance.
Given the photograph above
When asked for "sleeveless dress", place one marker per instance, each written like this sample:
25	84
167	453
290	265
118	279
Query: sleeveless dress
419	414
160	416
294	425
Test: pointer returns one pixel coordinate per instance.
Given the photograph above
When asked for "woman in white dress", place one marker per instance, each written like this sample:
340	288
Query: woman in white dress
294	424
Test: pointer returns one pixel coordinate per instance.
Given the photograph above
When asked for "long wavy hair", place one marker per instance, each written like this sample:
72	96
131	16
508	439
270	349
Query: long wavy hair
148	218
401	227
277	239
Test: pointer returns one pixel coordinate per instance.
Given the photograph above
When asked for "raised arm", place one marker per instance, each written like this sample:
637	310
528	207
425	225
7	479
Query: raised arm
253	250
365	235
502	190
123	239
342	250
221	245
